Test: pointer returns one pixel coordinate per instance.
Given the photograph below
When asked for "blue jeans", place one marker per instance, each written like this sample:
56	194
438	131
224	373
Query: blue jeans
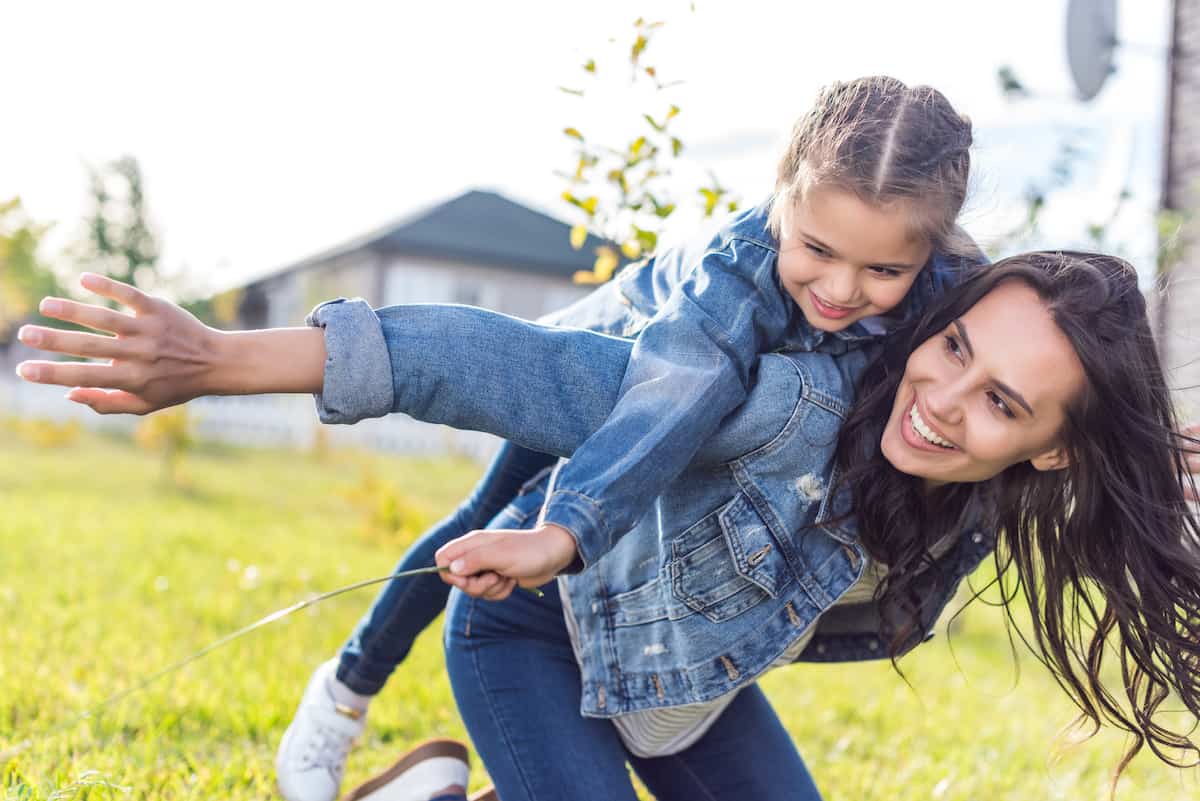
517	687
405	607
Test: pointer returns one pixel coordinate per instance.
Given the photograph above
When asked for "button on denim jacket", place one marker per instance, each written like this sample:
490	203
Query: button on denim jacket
736	556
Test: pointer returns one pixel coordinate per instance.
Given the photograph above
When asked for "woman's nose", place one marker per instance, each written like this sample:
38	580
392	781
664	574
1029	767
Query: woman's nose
944	404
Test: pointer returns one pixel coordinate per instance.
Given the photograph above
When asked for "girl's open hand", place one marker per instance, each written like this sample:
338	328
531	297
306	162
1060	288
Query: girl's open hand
157	356
490	564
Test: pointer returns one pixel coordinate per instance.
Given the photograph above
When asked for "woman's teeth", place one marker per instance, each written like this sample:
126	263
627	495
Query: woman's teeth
927	433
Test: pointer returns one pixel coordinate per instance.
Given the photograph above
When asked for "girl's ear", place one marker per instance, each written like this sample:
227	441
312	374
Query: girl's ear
1053	459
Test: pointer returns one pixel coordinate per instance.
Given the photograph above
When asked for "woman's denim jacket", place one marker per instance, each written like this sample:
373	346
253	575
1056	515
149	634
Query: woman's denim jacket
737	555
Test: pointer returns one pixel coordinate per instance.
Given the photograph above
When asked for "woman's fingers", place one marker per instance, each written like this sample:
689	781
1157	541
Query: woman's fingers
98	317
122	293
73	343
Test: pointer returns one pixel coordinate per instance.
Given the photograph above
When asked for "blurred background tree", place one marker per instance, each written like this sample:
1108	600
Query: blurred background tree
119	240
24	277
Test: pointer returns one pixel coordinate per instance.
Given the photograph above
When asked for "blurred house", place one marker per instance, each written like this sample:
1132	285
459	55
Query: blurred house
479	248
1178	313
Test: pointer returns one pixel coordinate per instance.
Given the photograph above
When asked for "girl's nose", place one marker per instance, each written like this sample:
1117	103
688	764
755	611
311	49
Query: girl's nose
843	286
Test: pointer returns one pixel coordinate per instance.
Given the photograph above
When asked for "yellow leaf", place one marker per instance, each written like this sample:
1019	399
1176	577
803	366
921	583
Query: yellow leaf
606	263
673	112
586	277
637	145
590	66
578	236
632	249
573	133
589	205
639	45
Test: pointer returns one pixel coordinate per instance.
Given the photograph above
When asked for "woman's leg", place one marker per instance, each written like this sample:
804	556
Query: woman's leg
405	607
517	687
746	756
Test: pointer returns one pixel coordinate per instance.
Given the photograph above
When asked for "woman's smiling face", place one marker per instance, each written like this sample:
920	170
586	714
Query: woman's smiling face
988	392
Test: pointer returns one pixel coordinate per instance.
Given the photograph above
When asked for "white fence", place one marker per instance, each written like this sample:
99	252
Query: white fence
260	421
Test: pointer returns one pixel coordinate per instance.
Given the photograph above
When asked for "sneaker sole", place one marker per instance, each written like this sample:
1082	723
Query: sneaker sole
427	750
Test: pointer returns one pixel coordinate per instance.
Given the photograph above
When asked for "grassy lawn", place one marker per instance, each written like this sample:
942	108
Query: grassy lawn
109	574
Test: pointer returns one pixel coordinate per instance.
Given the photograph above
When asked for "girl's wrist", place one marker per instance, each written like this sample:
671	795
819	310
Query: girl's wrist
274	360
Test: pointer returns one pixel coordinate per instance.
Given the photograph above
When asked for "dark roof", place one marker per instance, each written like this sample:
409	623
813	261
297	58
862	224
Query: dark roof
477	227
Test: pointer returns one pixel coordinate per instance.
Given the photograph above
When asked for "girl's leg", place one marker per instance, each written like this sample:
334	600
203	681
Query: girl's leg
312	754
747	755
405	607
517	688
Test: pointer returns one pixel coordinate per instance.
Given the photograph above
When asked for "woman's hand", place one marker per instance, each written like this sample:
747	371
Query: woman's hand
490	564
157	357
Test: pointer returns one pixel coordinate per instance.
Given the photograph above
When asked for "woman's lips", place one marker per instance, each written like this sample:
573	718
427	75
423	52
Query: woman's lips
913	438
829	310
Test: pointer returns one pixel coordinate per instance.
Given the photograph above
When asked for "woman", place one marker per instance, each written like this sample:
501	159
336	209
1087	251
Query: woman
1037	382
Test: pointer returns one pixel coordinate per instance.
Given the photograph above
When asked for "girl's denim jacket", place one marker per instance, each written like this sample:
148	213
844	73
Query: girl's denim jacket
736	555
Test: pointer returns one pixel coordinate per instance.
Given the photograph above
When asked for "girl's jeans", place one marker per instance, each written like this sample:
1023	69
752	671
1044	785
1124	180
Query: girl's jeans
407	606
517	687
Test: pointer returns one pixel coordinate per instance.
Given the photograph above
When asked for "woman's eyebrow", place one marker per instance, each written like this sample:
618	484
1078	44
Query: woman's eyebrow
1005	388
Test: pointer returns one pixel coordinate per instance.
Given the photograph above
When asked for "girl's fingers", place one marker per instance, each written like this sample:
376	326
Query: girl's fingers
97	317
122	293
74	343
75	374
502	590
105	401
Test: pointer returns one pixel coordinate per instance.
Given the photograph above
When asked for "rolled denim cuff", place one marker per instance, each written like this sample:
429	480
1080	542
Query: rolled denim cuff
358	370
584	519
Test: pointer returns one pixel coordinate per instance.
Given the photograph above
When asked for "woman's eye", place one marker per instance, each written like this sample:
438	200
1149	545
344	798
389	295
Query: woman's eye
952	346
998	403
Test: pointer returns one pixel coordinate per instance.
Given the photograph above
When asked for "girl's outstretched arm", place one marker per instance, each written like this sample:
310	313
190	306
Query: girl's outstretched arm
547	388
159	355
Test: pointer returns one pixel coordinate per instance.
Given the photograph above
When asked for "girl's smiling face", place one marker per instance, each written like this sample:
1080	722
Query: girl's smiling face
988	392
842	259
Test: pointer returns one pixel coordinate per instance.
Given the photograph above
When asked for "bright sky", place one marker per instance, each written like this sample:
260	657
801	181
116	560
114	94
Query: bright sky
269	130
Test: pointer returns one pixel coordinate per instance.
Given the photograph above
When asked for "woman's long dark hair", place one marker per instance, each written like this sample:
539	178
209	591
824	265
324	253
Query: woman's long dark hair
1107	546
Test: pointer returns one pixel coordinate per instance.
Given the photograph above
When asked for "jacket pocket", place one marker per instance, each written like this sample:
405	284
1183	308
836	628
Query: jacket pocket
727	563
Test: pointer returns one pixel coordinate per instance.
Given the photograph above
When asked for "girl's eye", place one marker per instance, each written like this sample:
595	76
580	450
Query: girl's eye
885	272
999	404
819	251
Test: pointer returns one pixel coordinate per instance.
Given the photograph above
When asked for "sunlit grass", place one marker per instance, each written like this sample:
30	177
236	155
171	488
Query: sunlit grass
109	574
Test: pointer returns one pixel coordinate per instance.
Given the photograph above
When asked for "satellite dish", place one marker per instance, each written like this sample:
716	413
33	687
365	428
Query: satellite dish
1091	42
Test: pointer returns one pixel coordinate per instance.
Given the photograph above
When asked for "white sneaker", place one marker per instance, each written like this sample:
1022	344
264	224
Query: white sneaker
419	775
312	754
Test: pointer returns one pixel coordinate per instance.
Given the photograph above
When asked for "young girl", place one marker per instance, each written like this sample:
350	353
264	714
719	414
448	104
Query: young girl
863	212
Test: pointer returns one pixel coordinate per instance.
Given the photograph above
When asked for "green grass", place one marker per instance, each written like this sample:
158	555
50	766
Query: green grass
108	575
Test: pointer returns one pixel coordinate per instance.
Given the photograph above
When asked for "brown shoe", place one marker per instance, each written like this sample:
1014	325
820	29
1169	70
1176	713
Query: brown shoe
486	794
418	774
